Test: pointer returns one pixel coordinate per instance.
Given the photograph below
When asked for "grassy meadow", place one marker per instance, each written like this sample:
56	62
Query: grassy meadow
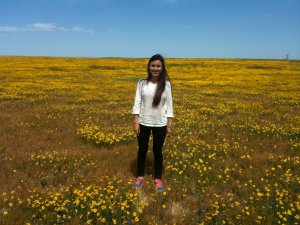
68	151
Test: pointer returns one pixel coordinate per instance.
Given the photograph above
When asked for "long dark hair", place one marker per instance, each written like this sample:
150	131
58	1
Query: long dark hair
161	82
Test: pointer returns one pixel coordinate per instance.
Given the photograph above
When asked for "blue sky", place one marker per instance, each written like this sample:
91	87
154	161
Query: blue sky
140	28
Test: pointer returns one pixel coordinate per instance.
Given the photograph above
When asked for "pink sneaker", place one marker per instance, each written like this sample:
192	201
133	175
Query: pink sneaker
159	184
138	182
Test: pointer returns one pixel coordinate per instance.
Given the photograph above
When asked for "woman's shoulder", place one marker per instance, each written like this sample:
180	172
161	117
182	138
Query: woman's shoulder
142	81
168	84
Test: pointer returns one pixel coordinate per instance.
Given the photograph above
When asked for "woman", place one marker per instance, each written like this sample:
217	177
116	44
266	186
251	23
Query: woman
153	111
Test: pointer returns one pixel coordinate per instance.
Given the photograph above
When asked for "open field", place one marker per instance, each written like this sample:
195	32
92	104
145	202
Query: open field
68	152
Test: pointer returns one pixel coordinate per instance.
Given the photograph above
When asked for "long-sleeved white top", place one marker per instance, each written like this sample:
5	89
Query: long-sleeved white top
149	116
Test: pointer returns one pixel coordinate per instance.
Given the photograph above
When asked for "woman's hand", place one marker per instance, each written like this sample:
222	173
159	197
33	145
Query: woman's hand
136	128
169	131
170	126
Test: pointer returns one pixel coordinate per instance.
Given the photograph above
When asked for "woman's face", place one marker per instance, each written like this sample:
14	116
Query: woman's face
155	68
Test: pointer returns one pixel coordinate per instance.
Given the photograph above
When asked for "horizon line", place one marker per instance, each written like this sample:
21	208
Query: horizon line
126	57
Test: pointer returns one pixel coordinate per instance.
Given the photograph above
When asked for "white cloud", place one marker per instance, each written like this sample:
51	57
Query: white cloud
43	27
10	29
77	29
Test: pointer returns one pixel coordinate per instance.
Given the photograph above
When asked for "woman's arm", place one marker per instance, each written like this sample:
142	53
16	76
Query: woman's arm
169	101
137	100
136	109
170	126
170	116
136	126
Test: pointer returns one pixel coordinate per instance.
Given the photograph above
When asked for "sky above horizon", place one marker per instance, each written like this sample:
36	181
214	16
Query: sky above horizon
264	29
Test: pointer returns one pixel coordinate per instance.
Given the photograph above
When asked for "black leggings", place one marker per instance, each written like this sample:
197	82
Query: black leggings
159	134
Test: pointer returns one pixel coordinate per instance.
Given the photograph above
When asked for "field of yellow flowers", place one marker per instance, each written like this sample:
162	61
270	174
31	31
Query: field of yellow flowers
68	152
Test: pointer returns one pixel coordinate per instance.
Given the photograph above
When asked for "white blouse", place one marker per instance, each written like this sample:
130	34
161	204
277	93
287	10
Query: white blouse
149	116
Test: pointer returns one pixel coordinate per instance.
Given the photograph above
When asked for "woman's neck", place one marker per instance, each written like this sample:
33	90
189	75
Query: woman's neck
154	79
